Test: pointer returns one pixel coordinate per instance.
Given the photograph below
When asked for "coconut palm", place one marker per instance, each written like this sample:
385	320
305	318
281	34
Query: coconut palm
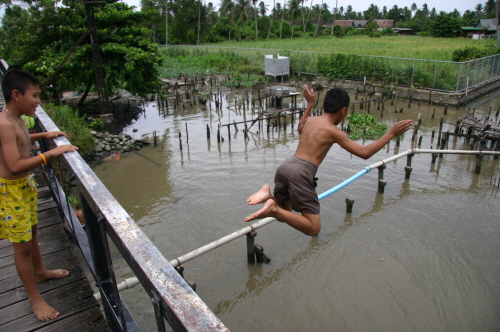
263	8
227	8
293	10
242	10
272	19
254	2
282	16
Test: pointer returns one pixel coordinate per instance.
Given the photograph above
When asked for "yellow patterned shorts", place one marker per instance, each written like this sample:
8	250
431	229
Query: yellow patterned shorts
18	208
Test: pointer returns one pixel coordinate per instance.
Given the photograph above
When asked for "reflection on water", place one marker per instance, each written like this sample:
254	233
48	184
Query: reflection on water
422	256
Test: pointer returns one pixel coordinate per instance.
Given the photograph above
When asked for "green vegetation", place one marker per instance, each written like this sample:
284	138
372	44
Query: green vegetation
74	126
39	35
241	69
412	47
364	126
470	53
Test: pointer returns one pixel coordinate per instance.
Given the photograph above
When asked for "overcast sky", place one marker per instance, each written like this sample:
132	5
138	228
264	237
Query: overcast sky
361	5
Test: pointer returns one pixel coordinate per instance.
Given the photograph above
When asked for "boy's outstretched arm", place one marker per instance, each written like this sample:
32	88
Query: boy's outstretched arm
47	135
310	97
369	150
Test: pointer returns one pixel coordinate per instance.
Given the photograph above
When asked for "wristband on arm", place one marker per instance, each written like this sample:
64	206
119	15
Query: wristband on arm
44	159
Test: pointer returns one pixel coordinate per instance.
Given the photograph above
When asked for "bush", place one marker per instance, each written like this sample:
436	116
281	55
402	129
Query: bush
74	126
471	53
364	126
389	32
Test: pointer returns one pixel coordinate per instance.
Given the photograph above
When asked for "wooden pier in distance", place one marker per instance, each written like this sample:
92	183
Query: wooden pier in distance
72	296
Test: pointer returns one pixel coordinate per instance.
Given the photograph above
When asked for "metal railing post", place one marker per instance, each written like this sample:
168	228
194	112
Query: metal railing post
103	266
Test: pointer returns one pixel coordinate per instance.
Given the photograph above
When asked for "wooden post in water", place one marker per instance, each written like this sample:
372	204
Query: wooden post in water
154	138
434	157
208	132
180	141
187	134
218	134
408	167
250	247
259	254
381	182
420	141
479	161
349	203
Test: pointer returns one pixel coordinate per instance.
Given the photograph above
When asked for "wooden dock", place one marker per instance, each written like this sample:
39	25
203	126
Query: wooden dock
71	296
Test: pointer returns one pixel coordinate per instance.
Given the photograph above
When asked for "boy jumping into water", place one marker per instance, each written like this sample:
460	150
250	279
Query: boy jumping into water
18	194
295	180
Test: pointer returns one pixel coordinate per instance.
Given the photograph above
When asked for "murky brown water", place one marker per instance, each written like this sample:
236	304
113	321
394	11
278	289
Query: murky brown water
422	256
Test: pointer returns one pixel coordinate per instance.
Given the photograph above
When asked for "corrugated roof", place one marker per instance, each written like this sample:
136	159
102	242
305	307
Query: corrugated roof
344	23
382	24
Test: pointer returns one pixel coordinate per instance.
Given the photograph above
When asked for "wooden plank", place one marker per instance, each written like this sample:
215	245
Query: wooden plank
89	320
58	259
69	300
48	244
17	294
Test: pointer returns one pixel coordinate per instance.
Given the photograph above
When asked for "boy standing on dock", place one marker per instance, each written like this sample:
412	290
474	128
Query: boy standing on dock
295	182
18	193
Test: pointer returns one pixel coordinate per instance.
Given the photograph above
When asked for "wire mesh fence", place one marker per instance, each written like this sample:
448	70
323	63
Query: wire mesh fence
447	76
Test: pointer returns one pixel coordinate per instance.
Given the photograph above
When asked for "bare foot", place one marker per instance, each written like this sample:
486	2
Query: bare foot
267	211
261	196
42	310
51	274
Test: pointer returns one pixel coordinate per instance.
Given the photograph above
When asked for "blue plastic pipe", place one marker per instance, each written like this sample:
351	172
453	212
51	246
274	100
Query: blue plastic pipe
345	183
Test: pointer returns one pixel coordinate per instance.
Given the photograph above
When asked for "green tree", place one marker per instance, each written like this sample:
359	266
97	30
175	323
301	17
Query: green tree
48	32
372	12
242	11
227	10
444	25
293	11
490	9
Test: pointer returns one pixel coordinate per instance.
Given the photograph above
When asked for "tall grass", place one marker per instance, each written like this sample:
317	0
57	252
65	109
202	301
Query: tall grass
413	47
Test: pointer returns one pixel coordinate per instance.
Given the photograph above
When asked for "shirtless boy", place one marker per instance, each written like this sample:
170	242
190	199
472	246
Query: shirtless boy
294	180
18	194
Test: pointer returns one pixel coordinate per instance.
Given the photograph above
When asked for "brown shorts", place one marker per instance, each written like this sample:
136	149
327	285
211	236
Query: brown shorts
295	182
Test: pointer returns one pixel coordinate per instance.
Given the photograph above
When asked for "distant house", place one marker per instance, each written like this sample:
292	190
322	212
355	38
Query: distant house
404	31
382	24
360	24
344	23
322	22
295	23
484	27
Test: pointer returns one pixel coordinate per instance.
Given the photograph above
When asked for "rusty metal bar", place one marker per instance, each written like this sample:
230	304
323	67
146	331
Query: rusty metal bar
180	305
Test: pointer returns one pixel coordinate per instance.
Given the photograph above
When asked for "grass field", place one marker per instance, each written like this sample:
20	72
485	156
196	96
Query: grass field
421	62
414	47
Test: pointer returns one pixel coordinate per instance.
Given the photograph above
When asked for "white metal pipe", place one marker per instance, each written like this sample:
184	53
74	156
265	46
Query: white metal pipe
131	282
469	152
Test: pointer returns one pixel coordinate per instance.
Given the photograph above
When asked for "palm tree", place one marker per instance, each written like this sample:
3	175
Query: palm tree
335	16
319	19
272	19
263	8
282	15
413	8
227	8
254	2
293	8
348	12
242	10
